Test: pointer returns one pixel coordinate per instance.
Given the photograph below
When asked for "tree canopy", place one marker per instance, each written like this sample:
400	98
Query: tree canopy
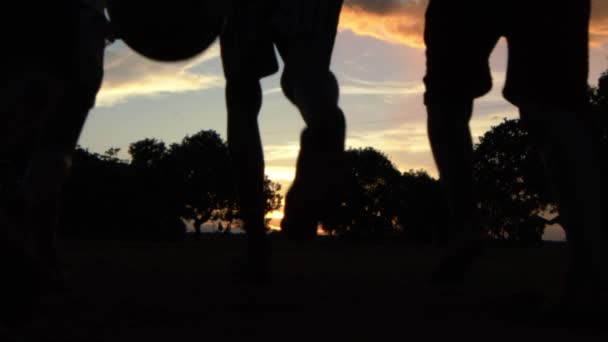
152	194
511	187
192	180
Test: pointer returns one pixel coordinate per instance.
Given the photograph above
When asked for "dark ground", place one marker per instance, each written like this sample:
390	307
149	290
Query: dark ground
325	290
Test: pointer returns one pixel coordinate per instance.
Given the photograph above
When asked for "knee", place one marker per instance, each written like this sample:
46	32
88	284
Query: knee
450	112
243	96
46	174
316	97
310	89
85	99
533	123
552	122
289	83
82	92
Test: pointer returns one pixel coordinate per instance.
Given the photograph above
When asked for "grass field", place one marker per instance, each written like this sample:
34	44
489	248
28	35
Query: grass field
326	290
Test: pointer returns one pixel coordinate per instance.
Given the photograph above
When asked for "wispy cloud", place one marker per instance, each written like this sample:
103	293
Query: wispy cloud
405	143
402	138
282	152
353	86
129	75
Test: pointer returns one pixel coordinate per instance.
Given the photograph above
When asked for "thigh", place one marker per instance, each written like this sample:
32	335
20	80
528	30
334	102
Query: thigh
40	59
548	52
246	43
63	125
304	32
87	71
459	39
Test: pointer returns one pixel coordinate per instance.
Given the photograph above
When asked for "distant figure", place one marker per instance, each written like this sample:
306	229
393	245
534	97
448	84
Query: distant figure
547	81
198	231
303	31
56	79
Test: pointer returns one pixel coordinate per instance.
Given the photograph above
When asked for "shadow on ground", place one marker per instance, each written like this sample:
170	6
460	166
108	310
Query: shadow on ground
326	290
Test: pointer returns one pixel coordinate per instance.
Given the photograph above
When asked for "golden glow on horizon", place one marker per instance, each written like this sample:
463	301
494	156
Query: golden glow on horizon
275	217
275	214
280	173
274	226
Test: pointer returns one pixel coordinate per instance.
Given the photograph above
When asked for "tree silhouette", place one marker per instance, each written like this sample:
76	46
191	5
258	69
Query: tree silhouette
422	212
153	189
98	199
598	96
198	170
150	196
510	182
147	153
511	186
598	100
272	195
369	205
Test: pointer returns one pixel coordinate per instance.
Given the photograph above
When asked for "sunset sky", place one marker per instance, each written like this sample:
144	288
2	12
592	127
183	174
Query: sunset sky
379	62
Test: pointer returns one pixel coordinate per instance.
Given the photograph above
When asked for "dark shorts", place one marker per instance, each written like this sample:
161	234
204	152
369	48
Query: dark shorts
303	32
39	54
54	79
548	49
44	34
83	82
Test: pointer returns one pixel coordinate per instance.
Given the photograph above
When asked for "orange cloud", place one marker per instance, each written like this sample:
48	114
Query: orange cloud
402	22
599	22
399	23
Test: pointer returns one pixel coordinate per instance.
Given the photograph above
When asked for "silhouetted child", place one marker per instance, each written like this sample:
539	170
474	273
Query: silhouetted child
65	56
547	81
50	165
303	31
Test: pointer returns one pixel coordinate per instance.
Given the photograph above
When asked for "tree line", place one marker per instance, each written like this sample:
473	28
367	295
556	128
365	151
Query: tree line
513	200
151	194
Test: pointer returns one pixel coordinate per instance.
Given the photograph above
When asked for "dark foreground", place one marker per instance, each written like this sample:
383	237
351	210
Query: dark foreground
322	291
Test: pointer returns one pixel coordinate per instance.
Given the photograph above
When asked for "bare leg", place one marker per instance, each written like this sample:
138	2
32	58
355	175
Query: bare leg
48	170
309	84
315	191
452	146
244	99
50	163
566	148
24	265
34	209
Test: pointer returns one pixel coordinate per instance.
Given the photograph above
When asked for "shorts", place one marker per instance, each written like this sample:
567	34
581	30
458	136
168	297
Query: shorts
39	56
303	32
44	36
48	97
83	81
548	49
